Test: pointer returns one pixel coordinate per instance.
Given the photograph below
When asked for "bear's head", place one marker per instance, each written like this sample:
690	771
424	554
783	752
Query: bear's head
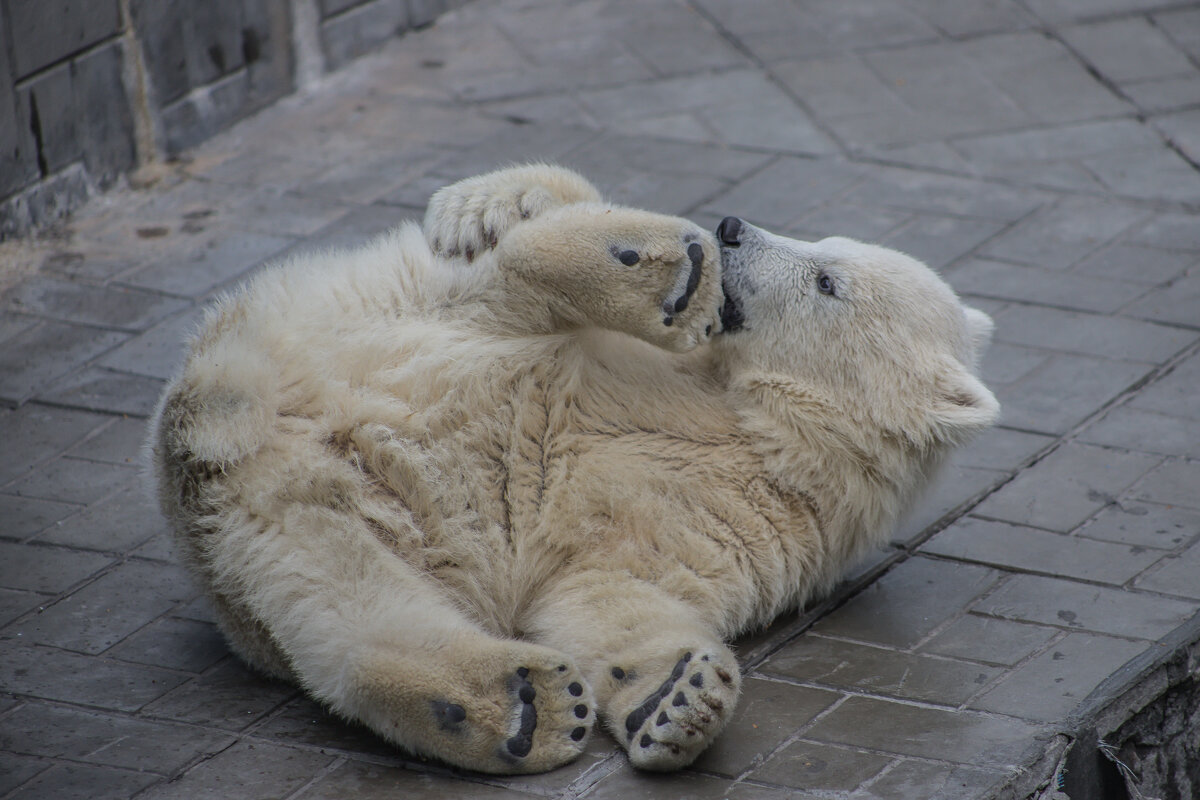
869	334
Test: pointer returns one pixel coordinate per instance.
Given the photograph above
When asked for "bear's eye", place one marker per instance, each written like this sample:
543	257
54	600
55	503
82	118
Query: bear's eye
825	284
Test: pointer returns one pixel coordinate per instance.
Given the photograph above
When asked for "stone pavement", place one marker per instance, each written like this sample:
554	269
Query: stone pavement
1041	153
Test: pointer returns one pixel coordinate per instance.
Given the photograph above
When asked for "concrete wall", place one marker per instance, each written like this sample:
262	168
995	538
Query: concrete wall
90	89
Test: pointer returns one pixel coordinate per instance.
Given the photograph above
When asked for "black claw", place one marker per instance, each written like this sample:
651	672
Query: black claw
697	680
581	711
579	733
680	700
575	689
663	719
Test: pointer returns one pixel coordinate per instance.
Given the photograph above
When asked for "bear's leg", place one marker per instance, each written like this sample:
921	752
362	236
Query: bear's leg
377	641
652	276
469	217
664	681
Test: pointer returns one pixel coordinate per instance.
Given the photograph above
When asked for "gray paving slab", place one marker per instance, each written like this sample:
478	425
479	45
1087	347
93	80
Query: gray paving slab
1041	153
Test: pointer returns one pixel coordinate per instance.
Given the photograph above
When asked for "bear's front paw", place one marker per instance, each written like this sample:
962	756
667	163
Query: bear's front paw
470	217
668	727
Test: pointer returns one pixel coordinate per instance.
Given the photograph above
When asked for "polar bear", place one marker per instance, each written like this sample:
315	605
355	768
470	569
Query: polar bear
486	485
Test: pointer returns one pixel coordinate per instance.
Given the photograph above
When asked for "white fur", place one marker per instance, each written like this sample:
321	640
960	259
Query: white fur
403	476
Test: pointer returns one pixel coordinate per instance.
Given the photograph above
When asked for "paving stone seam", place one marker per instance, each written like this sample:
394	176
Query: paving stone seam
1115	89
758	64
763	757
322	773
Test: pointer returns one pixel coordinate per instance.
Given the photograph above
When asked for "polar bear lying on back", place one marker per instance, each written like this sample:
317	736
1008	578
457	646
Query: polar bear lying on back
457	485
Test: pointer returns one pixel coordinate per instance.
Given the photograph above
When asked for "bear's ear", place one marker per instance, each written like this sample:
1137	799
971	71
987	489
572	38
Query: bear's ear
962	405
979	331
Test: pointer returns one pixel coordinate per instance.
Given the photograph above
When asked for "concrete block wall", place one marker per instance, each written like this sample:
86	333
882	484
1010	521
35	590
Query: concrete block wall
91	89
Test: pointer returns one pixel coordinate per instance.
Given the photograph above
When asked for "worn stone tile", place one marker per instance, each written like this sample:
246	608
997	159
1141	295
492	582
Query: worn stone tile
1065	488
1177	302
772	197
1052	684
1174	393
115	524
908	602
55	674
1134	263
35	433
98	389
1178	575
1157	173
1147	431
25	516
46	569
46	351
81	303
756	113
15	770
1004	364
1166	94
631	784
767	714
1001	449
73	480
941	241
174	643
1080	606
1020	548
1032	285
120	442
914	190
15	602
841	219
1172	230
1173	483
954	487
303	721
820	768
875	670
248	769
1064	390
157	353
1130	49
931	781
1043	78
353	230
1090	334
996	641
1063	233
214	263
97	616
962	737
117	741
160	547
1163	527
84	782
366	780
229	696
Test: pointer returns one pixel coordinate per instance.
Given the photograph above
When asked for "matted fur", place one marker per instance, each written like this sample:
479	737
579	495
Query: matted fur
469	485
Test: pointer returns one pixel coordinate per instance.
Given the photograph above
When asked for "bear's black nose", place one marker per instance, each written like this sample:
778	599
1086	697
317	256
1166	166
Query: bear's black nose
728	231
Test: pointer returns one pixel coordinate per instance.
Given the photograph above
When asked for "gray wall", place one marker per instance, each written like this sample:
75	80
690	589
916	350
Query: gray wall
90	89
